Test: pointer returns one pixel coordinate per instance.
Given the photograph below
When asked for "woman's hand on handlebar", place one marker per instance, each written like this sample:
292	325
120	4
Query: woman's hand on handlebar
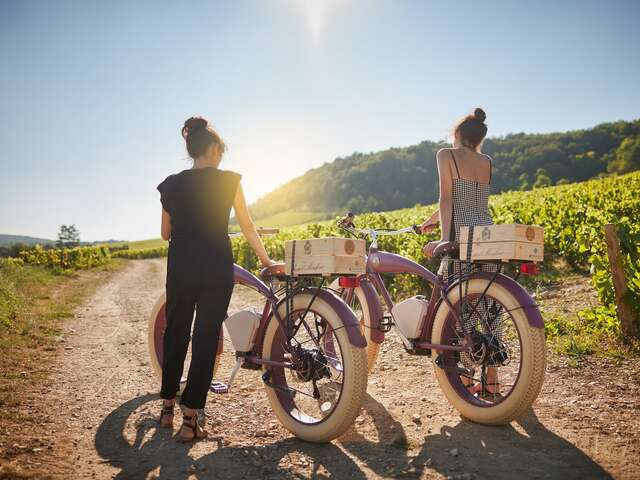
267	262
430	247
430	224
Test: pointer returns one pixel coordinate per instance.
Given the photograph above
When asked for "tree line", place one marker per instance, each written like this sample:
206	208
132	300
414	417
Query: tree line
403	177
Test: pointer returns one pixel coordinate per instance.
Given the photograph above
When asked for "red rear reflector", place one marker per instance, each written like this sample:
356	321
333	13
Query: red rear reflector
529	269
349	282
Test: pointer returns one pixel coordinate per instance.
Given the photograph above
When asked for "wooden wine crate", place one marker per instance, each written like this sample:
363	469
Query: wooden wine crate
503	242
326	246
325	256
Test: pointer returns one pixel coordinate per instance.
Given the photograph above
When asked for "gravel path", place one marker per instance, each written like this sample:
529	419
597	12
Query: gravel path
101	409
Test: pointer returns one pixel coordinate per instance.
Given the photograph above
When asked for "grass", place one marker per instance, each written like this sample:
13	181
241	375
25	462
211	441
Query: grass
570	327
33	303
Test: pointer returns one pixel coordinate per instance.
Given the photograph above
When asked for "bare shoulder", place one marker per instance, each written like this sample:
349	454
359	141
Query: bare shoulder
444	152
443	156
488	159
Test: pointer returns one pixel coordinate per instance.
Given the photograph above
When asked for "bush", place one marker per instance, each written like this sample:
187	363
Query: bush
11	262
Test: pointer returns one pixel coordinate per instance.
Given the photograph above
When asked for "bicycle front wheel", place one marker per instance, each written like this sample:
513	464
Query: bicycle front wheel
499	380
319	399
355	298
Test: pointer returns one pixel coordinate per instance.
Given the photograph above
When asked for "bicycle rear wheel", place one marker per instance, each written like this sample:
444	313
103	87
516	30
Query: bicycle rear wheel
501	377
320	398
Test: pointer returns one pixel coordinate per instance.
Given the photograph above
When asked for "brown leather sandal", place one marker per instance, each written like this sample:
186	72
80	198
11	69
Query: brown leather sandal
166	415
192	423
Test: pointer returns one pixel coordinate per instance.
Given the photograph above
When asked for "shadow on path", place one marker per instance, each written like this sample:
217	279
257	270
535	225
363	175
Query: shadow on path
522	449
155	450
525	449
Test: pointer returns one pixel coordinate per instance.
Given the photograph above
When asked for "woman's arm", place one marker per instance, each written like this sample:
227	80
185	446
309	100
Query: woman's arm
446	197
165	225
248	228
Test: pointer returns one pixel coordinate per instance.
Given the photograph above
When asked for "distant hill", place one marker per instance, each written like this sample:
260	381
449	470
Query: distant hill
6	240
403	177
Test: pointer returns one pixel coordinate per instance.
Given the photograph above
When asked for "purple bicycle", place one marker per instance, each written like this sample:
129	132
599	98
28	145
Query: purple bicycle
483	330
315	387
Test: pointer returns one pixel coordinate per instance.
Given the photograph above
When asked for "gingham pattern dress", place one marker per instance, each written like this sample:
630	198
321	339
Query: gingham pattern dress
470	208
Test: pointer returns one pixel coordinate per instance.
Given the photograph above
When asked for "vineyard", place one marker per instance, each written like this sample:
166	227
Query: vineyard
573	217
139	253
65	258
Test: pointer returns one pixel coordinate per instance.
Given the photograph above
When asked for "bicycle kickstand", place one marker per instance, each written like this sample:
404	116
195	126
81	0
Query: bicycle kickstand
221	387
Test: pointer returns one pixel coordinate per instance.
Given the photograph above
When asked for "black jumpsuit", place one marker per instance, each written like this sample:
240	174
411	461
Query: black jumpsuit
199	276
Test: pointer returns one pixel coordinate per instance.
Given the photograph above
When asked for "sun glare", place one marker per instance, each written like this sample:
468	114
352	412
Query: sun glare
317	15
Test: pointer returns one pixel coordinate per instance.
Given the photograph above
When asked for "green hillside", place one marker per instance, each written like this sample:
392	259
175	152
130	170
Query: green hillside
6	240
403	177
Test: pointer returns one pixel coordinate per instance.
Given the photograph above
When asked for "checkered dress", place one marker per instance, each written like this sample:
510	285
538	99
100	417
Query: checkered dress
470	208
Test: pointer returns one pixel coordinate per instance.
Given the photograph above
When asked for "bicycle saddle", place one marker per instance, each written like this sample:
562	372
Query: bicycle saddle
447	248
275	270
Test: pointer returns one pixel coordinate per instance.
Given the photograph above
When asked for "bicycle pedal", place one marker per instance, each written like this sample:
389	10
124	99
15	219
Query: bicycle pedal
219	387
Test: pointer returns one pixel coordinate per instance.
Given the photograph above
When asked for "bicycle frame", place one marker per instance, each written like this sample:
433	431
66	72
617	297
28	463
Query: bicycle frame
272	304
379	262
371	283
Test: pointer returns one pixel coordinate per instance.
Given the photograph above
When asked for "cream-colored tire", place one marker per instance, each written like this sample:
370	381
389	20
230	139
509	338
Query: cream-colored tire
354	365
532	361
364	317
155	330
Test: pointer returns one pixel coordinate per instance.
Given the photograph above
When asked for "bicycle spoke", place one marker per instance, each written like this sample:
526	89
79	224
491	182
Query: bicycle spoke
317	379
495	354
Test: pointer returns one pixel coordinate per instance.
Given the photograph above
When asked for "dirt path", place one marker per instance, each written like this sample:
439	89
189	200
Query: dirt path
102	404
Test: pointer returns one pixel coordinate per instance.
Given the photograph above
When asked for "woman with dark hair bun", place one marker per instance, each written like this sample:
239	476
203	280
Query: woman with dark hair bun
465	178
196	204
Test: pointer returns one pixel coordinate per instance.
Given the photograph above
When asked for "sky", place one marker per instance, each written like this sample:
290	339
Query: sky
93	94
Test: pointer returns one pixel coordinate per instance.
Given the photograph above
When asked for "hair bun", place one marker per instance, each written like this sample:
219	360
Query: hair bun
194	123
479	115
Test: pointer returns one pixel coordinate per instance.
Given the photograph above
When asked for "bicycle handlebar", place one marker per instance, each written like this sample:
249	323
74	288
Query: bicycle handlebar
381	232
347	224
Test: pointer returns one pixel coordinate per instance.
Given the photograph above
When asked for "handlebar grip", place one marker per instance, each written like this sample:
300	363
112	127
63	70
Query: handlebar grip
347	221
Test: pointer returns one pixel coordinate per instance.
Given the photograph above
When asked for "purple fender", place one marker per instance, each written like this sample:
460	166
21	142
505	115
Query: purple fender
385	262
351	324
374	308
528	304
248	279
